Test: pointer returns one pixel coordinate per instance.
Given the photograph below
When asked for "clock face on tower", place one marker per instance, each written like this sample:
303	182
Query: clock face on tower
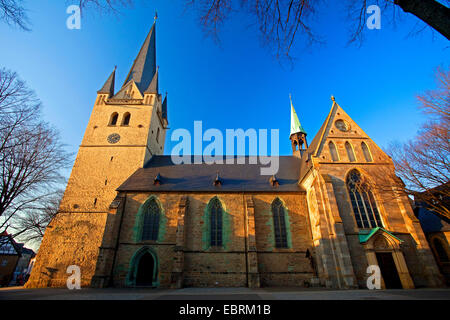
342	125
113	138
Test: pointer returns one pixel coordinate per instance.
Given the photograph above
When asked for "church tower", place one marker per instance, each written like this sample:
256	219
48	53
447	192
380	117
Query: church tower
298	134
124	131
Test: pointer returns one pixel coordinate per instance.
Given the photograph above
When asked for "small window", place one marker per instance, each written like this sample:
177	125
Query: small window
113	120
350	153
366	152
157	135
333	151
126	119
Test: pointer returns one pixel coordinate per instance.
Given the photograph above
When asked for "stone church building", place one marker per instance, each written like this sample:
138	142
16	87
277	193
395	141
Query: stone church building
131	217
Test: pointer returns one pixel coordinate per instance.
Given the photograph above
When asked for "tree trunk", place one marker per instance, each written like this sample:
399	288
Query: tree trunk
433	13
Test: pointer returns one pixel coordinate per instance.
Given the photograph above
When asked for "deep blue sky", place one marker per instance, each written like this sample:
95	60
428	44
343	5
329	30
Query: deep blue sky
238	84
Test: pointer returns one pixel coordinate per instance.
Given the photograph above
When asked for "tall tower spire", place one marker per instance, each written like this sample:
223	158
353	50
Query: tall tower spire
298	134
144	66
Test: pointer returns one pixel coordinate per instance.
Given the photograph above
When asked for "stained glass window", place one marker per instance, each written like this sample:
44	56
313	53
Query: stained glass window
150	227
363	202
279	224
216	222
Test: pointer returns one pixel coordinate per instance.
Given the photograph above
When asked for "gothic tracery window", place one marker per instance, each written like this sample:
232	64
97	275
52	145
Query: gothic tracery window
150	225
363	201
279	224
216	222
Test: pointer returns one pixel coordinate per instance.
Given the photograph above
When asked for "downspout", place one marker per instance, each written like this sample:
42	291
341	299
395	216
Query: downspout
110	282
245	237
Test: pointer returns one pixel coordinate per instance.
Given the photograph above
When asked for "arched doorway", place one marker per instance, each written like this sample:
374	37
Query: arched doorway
143	270
383	249
144	276
388	270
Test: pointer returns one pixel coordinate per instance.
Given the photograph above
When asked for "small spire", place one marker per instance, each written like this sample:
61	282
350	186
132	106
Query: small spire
156	16
108	87
295	123
332	98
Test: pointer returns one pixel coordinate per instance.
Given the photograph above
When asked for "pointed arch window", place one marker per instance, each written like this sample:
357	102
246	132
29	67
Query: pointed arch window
216	222
150	226
126	119
363	201
113	119
366	152
279	224
333	151
350	152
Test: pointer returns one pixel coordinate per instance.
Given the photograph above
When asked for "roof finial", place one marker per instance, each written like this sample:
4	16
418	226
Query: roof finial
332	98
156	16
115	67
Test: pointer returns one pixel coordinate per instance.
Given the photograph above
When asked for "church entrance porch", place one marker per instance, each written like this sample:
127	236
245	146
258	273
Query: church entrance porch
143	269
382	248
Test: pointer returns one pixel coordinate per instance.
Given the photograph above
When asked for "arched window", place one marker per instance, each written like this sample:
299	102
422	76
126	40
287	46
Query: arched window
350	153
333	151
113	119
279	224
215	208
150	226
126	119
363	202
440	250
366	152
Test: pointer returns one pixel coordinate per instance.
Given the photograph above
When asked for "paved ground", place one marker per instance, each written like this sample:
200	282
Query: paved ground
19	293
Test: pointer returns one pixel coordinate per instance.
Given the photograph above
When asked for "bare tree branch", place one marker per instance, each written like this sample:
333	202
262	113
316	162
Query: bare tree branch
424	163
31	154
14	14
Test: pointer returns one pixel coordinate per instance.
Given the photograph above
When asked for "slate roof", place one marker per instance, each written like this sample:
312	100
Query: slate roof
154	85
200	177
144	66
